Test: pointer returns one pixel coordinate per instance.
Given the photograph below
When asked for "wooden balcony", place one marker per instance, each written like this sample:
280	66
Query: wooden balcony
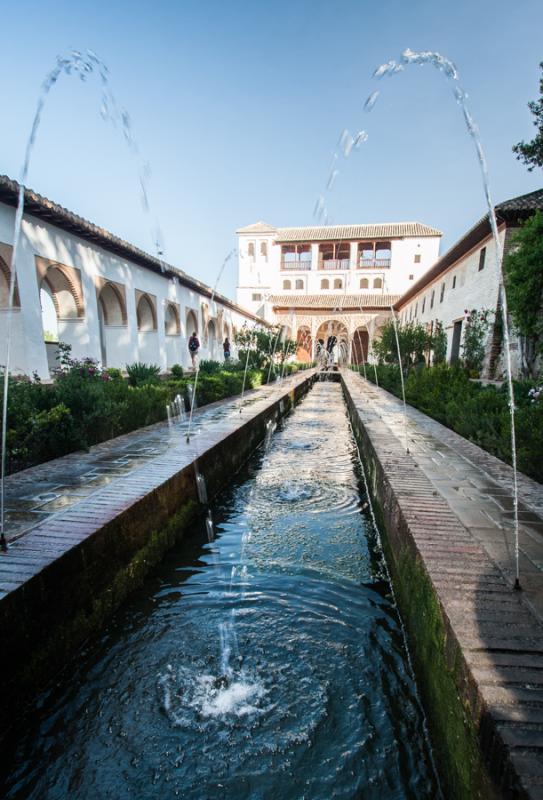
296	265
334	263
374	263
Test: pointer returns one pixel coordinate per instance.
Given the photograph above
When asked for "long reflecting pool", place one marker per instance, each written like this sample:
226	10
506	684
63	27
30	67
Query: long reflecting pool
267	662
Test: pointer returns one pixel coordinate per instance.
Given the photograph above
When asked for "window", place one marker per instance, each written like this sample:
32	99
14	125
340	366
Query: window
382	251
257	298
411	277
416	309
378	283
264	249
423	305
454	282
325	284
364	283
251	250
287	285
442	293
299	284
482	256
432	299
296	256
338	283
417	258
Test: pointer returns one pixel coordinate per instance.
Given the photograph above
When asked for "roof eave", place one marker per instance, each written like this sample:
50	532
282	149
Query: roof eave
40	207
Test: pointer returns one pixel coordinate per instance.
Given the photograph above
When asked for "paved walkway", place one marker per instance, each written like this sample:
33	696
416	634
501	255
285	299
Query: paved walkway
477	487
53	505
456	501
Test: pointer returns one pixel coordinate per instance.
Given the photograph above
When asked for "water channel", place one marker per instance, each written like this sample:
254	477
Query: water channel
266	663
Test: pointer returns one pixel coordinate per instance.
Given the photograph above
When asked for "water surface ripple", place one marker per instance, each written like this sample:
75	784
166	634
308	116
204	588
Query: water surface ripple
268	663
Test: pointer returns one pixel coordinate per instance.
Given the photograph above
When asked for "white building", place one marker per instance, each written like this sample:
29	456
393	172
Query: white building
333	282
112	302
466	278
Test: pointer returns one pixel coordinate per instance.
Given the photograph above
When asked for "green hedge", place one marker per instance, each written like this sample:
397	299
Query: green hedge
86	405
477	412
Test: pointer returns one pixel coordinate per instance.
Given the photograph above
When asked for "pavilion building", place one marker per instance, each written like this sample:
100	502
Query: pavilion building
331	284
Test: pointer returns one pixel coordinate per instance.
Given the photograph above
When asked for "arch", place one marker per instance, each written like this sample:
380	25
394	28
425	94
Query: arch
192	323
304	344
377	283
146	313
287	285
68	303
5	277
360	344
212	340
338	283
172	322
364	283
333	341
49	314
299	284
112	305
325	283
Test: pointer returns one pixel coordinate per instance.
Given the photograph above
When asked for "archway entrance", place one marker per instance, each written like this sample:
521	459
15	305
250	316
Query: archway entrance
360	346
112	314
62	309
304	344
332	342
212	341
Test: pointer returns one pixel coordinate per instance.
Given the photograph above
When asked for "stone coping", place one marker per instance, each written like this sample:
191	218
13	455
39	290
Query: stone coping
55	504
449	503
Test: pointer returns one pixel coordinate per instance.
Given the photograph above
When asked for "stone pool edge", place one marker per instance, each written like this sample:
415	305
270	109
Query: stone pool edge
472	759
68	599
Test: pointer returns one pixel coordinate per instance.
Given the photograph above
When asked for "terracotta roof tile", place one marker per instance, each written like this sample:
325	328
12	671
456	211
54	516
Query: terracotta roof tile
364	301
382	230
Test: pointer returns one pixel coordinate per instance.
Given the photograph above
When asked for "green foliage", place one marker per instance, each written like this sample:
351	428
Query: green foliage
209	367
413	339
438	343
140	373
86	405
524	284
476	328
531	153
479	413
262	345
176	371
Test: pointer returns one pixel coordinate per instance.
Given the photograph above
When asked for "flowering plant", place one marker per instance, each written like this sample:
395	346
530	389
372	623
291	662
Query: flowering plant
535	393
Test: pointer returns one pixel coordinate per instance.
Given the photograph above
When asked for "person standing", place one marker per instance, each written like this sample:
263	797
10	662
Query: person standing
226	349
194	346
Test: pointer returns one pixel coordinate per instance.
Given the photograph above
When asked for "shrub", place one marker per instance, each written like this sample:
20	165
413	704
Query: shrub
140	373
479	413
177	371
209	367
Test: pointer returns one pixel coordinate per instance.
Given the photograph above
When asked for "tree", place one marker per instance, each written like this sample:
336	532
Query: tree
413	340
262	345
524	284
532	152
475	334
439	343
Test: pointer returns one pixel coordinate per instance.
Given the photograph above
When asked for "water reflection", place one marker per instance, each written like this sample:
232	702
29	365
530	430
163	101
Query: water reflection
267	662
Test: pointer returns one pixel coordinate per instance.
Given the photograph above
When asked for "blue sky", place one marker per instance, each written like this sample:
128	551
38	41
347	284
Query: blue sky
238	107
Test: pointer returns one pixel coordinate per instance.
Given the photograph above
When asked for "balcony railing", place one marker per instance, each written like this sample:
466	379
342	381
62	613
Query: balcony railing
295	265
369	263
334	263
